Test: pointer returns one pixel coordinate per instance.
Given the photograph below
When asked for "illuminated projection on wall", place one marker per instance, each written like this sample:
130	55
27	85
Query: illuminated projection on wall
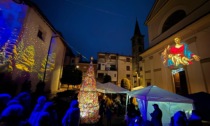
11	19
178	55
18	48
47	67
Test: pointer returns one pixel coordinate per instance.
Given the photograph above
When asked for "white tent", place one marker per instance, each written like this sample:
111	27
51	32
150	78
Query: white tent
167	101
110	88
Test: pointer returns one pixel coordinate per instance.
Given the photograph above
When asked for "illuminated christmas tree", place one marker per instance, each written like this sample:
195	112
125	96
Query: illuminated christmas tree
88	98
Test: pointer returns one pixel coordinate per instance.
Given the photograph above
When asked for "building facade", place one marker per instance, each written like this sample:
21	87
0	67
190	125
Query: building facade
33	49
124	69
190	21
115	65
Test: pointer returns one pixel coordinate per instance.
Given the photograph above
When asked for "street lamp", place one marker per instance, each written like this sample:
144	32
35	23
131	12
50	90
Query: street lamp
77	66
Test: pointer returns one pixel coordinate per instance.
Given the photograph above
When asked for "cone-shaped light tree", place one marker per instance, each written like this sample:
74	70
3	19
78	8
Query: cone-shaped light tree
88	98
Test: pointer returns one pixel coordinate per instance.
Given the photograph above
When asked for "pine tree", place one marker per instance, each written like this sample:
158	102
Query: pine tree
125	83
50	65
26	60
51	62
42	69
88	98
6	56
19	51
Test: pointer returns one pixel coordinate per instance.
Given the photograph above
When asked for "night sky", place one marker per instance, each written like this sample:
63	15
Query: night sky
92	26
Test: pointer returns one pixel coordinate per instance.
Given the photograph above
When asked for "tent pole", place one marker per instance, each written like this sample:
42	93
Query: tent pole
126	103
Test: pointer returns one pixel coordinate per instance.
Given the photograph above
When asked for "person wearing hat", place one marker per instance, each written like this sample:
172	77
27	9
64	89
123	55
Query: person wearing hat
156	116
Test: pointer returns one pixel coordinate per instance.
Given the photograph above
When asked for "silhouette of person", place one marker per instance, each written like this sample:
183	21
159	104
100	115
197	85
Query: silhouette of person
12	115
48	116
109	111
101	110
4	99
180	119
72	116
156	116
195	119
131	114
37	109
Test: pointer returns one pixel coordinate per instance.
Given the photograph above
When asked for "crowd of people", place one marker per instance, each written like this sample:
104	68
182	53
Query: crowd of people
20	110
23	110
134	117
109	106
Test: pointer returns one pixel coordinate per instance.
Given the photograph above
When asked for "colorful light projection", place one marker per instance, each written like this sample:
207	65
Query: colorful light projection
11	19
49	67
177	71
18	43
88	98
178	55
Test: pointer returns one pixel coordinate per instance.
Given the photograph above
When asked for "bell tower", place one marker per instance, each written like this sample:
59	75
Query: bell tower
137	48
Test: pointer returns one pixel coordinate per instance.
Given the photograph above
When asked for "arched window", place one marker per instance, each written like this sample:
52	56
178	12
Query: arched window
173	19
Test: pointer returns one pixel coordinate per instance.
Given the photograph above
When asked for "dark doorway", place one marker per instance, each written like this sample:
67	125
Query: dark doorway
180	83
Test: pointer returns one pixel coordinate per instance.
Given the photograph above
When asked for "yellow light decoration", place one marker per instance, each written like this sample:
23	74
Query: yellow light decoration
50	65
26	61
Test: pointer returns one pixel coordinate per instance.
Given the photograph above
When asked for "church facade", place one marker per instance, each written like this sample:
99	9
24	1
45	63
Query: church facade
190	21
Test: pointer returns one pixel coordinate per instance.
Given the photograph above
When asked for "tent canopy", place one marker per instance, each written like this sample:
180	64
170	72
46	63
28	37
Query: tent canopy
167	101
154	93
110	88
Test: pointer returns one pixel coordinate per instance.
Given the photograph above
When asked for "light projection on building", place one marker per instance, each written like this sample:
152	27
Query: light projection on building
178	55
26	59
11	19
88	98
20	48
48	67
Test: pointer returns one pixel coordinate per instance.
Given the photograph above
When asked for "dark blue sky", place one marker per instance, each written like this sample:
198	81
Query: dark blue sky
92	26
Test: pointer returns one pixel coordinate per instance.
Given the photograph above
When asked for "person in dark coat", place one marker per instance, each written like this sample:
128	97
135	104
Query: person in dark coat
4	99
47	116
72	116
195	119
102	107
33	118
131	114
180	119
12	115
156	116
